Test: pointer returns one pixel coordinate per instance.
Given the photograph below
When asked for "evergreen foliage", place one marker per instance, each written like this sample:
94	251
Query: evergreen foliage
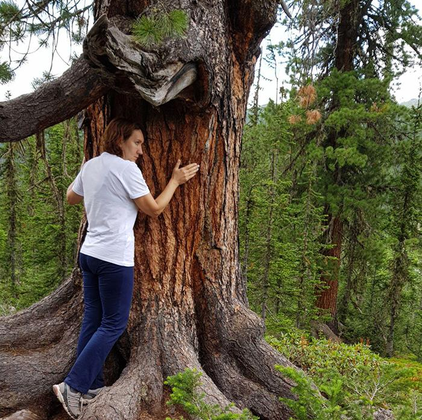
6	74
359	153
185	394
286	182
348	381
38	233
154	26
280	218
338	382
23	22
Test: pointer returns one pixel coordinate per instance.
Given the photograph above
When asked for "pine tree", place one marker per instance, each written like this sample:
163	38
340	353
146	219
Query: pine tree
352	69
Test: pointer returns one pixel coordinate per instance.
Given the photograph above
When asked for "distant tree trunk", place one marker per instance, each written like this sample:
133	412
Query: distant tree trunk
255	107
304	274
33	175
245	259
400	268
348	288
398	278
327	296
189	305
59	200
268	239
345	52
249	199
407	220
12	195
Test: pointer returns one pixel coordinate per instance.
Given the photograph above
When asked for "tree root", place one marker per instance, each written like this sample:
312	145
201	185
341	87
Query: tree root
252	381
44	322
37	348
22	415
244	392
237	365
320	329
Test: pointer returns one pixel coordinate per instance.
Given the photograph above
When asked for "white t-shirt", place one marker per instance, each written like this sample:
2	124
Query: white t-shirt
108	184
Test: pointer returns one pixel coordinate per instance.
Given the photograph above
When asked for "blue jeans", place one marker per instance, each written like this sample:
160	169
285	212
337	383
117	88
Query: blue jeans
107	296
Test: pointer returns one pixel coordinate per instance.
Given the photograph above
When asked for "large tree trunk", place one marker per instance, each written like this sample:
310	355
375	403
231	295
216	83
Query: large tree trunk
189	306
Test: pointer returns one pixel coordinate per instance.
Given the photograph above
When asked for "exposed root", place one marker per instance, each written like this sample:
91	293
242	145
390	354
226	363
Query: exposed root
242	364
320	329
44	322
247	394
188	358
139	392
236	363
37	348
22	415
118	402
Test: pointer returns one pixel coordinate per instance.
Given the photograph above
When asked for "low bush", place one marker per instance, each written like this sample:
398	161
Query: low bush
185	393
353	381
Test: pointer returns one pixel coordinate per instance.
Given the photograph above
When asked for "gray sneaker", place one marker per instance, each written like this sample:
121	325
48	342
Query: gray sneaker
70	399
91	395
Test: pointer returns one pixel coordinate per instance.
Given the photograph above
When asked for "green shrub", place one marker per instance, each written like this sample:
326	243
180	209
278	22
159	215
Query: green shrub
352	380
341	382
310	402
185	393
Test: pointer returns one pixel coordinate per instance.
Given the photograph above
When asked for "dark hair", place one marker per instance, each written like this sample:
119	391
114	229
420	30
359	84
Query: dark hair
117	132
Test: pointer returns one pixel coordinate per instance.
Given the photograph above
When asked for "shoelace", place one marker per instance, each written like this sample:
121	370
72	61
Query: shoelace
79	403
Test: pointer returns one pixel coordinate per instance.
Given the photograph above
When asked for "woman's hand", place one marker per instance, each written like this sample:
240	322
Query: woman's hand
154	207
182	175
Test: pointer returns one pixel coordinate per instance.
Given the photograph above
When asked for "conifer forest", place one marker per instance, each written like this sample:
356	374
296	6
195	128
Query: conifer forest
328	213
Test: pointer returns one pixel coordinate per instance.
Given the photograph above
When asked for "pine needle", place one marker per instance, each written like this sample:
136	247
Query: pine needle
151	30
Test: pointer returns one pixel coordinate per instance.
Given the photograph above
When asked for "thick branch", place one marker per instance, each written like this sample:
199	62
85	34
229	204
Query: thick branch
111	60
53	102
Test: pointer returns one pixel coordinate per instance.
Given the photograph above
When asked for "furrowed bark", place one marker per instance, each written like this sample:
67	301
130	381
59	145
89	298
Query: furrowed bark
189	305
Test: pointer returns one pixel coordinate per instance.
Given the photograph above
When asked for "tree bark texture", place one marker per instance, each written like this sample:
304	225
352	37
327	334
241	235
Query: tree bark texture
189	305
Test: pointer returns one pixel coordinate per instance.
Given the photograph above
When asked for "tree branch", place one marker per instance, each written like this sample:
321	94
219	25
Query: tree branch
53	102
111	59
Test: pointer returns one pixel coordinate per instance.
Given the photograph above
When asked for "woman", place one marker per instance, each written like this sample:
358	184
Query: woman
113	190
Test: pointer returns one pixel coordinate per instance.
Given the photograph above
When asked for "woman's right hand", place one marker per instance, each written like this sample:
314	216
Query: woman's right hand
154	207
182	175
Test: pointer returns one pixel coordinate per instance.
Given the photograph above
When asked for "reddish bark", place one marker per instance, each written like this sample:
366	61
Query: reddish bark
189	306
327	294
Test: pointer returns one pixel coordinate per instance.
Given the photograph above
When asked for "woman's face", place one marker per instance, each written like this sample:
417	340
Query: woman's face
132	147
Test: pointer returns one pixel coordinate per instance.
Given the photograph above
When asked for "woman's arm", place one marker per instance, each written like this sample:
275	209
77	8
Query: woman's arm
72	197
154	207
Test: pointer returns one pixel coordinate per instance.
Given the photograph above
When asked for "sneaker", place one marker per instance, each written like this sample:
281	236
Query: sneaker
91	395
70	399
